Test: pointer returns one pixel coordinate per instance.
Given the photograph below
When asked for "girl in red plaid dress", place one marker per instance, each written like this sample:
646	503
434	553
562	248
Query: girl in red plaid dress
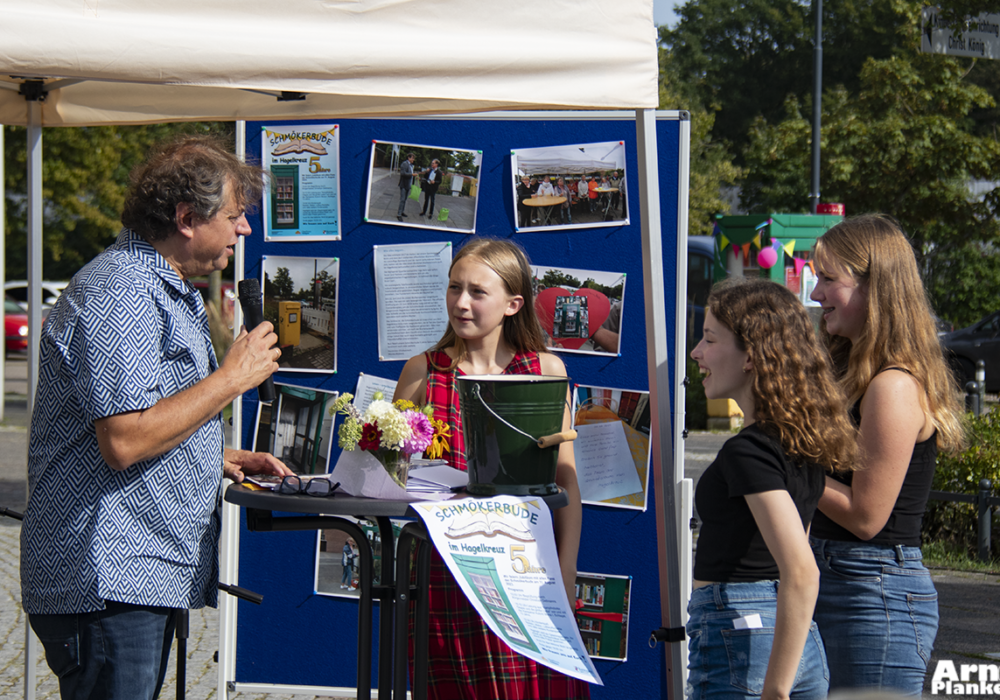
492	329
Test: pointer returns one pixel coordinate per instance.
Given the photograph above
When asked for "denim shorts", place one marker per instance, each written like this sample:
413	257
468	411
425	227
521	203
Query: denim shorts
878	614
728	663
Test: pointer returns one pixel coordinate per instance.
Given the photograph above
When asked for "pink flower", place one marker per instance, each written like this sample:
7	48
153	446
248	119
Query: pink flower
422	432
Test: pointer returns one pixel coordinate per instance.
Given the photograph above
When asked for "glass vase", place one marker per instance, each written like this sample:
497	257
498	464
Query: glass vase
396	463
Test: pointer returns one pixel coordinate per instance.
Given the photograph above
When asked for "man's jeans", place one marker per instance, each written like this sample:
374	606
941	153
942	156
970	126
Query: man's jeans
119	653
404	192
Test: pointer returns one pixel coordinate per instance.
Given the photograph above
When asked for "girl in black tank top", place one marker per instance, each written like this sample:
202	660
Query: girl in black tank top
877	607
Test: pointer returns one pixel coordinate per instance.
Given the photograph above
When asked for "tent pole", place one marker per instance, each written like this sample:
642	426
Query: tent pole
34	322
658	359
229	552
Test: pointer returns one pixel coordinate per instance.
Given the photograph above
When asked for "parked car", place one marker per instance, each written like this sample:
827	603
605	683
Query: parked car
980	341
942	325
18	291
15	326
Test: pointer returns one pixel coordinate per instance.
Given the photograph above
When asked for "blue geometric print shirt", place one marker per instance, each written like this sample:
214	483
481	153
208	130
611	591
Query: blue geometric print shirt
125	333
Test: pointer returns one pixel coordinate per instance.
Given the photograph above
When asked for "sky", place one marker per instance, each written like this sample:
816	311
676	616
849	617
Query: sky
663	11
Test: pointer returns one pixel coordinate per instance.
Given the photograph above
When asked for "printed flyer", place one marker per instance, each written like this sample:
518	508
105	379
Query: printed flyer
502	552
303	201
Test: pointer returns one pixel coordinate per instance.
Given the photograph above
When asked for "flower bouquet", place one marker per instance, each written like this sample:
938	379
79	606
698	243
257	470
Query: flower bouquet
390	432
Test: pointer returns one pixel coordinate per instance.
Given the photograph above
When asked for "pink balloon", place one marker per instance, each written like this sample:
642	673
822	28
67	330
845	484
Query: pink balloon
767	257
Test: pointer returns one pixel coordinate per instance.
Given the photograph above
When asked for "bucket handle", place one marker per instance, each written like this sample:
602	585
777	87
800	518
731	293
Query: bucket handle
544	441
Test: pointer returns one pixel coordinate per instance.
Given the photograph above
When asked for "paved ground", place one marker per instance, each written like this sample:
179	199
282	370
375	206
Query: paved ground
969	604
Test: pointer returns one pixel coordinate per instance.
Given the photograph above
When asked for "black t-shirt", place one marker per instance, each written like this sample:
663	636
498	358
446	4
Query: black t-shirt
730	545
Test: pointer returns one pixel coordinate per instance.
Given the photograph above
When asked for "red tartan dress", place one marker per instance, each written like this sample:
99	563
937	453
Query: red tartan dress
468	661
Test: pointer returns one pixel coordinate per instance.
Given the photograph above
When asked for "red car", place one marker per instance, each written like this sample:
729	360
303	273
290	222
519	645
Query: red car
16	326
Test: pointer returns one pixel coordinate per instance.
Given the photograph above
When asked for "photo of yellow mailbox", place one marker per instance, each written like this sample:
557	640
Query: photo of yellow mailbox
289	323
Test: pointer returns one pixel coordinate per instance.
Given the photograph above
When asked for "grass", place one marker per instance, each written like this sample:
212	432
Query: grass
939	555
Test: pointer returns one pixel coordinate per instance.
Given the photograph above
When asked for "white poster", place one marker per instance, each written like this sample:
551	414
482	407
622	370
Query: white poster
410	285
502	552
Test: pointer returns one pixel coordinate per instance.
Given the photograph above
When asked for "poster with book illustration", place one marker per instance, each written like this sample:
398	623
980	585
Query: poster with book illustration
502	552
303	199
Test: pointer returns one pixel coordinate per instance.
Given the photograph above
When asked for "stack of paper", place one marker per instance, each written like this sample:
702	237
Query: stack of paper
437	477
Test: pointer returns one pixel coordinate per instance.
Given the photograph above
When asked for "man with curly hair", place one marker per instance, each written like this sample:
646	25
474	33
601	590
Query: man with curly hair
126	454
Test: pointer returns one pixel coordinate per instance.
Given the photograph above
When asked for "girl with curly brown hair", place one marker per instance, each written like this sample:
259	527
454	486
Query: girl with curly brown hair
750	637
877	607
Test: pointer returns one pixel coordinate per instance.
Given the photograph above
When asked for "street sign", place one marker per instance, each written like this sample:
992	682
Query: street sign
980	38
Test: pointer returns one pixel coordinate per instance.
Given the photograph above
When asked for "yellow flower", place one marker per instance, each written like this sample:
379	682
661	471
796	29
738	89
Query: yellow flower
439	443
405	405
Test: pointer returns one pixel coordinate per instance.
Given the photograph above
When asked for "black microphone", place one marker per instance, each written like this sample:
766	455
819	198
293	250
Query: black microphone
253	315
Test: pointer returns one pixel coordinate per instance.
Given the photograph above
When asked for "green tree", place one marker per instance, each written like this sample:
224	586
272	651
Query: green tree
711	168
898	146
963	281
84	179
281	285
555	278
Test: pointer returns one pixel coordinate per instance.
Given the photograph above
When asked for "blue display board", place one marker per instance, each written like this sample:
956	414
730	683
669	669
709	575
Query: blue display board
299	638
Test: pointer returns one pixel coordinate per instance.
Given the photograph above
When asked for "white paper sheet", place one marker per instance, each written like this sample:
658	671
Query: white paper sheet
410	285
368	384
604	464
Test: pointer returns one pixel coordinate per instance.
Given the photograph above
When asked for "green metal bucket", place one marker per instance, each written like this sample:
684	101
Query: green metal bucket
503	417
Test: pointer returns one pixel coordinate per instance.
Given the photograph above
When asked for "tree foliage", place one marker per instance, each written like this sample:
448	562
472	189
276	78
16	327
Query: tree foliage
84	179
711	170
902	132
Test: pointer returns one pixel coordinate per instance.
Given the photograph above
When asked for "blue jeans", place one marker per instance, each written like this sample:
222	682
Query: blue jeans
727	663
878	614
119	653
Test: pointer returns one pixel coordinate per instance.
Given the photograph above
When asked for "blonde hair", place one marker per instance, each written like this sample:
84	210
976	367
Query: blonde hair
899	330
796	397
521	331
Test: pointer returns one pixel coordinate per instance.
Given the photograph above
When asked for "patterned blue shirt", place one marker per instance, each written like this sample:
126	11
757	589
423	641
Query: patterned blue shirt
124	334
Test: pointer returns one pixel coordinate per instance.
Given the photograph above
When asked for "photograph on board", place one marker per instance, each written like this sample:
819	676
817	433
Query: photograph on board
423	186
580	310
612	445
338	558
297	428
602	606
578	186
300	300
303	198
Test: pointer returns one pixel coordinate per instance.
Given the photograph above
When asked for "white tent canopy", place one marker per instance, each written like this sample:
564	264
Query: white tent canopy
125	61
570	159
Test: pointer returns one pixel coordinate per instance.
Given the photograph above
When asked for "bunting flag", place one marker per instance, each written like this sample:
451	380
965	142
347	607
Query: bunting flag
756	241
723	242
746	251
799	264
790	247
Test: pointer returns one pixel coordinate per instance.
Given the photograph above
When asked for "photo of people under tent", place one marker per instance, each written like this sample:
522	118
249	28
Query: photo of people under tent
578	186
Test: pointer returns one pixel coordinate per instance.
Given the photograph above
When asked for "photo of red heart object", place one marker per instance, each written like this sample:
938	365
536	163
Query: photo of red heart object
598	308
